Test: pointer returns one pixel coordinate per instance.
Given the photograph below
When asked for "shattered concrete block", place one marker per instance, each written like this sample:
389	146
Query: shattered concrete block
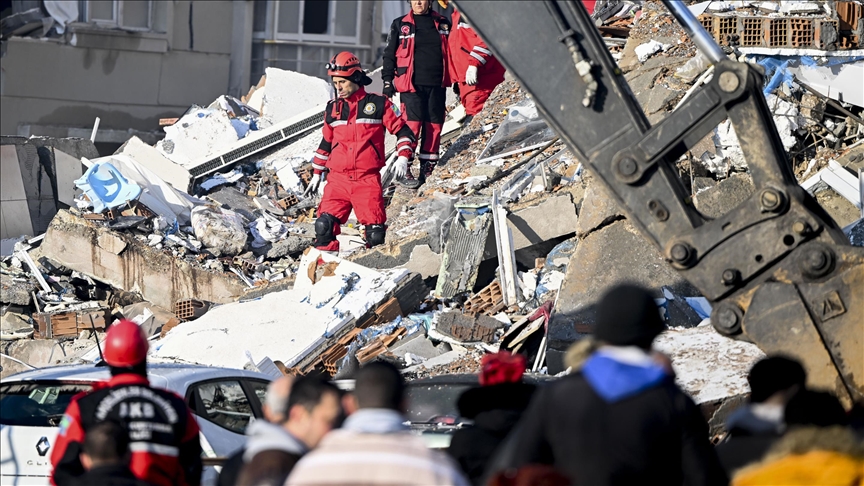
467	328
614	254
15	292
598	209
489	171
36	352
552	218
392	254
160	278
221	230
717	199
417	344
424	261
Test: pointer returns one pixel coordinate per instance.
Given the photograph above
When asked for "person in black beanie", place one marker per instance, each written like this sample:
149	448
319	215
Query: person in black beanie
754	427
621	419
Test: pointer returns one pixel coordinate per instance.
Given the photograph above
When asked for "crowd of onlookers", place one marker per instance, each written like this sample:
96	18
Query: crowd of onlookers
617	418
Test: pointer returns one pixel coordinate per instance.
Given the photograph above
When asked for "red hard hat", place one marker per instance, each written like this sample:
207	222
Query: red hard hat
125	345
343	65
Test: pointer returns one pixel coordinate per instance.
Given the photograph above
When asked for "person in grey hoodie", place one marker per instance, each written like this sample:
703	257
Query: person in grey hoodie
312	410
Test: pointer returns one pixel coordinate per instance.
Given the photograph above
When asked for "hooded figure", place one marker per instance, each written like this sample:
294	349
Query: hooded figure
620	419
495	407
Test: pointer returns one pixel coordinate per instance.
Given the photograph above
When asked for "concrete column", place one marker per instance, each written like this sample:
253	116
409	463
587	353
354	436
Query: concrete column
241	48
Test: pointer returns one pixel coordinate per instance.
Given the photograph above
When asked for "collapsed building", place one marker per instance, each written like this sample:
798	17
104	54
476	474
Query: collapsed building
204	238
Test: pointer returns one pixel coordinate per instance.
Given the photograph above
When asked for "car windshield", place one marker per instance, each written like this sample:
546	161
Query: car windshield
37	404
434	403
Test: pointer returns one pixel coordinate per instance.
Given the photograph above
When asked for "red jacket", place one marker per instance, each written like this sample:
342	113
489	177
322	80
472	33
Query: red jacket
163	434
401	40
353	141
467	49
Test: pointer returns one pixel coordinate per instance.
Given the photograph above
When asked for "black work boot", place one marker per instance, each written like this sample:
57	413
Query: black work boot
408	180
426	169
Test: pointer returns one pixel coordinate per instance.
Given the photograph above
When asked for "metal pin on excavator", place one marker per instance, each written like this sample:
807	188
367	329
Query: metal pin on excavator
778	270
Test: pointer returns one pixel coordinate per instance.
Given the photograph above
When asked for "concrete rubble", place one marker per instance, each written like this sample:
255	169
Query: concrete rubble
212	256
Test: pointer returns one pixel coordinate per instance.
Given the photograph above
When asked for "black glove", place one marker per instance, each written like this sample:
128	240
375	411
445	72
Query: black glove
389	90
456	90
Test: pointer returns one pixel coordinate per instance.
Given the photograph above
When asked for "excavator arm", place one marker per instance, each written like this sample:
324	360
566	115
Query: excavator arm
778	270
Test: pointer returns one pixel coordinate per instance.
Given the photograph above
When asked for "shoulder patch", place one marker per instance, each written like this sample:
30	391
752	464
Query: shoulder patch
370	108
396	109
65	423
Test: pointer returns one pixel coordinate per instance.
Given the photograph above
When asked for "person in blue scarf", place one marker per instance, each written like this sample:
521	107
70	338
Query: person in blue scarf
620	419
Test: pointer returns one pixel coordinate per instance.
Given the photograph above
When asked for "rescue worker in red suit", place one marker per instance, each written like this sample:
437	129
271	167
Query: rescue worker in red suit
416	64
352	151
163	434
472	66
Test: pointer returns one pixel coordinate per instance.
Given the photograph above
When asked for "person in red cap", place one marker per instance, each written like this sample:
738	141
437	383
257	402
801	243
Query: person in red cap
495	407
163	434
352	151
472	66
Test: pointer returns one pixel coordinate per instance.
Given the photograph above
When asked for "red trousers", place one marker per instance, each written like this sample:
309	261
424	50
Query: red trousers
343	192
474	97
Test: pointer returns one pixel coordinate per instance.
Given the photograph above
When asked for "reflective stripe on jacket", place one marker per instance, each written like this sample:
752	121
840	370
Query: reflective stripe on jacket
353	141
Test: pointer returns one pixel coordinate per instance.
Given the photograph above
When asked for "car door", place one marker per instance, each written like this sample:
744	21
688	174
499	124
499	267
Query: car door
225	407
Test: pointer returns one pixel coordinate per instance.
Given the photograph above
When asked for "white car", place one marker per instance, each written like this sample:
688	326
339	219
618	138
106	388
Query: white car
32	403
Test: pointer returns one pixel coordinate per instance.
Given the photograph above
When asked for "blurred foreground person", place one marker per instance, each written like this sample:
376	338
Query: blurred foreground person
620	420
755	426
817	449
495	407
374	446
105	456
298	420
274	409
163	434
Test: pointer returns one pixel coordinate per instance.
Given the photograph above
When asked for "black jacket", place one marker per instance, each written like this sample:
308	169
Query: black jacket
495	410
117	475
749	439
231	468
657	436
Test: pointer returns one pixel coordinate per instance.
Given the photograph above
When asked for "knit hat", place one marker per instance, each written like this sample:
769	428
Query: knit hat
501	367
628	316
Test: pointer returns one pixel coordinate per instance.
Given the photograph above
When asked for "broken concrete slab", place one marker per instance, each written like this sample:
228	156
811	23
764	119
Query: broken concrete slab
418	345
716	199
160	278
295	323
424	261
708	366
611	255
396	253
465	328
598	209
443	359
16	291
36	352
552	218
658	99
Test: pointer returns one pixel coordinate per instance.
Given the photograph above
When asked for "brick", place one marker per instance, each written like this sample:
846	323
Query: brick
488	301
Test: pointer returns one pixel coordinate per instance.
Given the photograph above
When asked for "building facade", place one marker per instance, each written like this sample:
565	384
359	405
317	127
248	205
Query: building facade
132	62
